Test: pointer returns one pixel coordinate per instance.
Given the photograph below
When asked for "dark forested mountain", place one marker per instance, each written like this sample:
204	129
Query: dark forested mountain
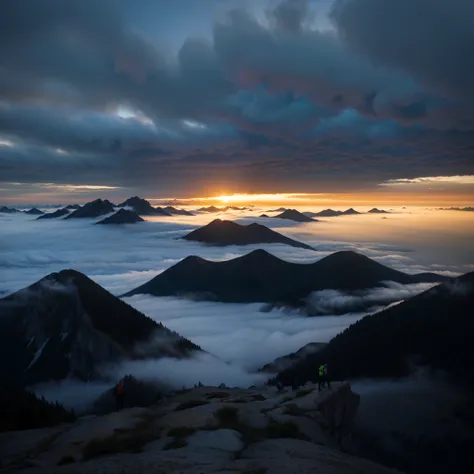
34	211
122	216
54	215
143	208
23	410
287	361
294	215
219	232
95	208
431	329
262	277
66	325
72	207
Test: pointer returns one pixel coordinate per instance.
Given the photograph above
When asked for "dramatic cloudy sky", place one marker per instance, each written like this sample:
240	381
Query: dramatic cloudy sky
183	98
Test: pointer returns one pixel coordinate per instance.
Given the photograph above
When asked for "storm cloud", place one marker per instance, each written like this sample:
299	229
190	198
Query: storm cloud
115	92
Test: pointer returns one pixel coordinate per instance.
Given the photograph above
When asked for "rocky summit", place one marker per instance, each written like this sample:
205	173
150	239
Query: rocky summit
204	430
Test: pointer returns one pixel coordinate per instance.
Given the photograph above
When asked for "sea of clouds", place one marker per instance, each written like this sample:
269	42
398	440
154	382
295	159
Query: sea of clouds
240	338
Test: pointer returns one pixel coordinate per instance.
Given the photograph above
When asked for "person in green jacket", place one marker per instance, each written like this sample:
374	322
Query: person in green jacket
323	377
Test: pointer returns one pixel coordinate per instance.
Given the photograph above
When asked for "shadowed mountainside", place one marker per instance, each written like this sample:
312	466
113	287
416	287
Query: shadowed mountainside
261	277
122	216
143	208
431	329
54	215
67	325
27	411
95	208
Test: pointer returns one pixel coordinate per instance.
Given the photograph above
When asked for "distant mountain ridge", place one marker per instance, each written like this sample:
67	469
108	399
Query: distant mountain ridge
8	210
223	232
261	277
95	208
332	213
67	325
378	211
294	215
178	212
122	216
465	209
143	207
54	215
34	211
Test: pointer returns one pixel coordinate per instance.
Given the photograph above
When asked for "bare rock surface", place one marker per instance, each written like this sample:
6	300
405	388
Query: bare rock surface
203	430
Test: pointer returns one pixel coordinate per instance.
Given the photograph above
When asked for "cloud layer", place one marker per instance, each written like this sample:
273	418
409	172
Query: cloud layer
240	337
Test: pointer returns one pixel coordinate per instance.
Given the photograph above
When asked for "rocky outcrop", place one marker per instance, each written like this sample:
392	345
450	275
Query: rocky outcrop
205	430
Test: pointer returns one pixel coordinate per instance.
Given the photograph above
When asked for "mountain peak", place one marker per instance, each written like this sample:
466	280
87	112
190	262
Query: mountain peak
80	325
122	216
95	208
294	215
348	257
224	232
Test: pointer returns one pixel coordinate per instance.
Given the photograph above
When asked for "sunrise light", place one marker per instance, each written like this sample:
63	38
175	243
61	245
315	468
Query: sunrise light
280	197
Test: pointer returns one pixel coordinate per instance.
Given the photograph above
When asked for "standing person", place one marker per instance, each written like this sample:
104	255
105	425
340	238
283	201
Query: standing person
321	377
119	395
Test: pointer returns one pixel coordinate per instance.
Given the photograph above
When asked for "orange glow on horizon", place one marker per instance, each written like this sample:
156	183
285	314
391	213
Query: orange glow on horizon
275	198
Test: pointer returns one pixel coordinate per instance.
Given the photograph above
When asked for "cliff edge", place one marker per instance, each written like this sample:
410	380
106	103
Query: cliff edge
203	430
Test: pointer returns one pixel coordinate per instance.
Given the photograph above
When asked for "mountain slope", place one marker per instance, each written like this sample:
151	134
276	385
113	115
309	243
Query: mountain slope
66	324
219	232
433	329
294	215
54	215
262	277
122	216
95	208
287	361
